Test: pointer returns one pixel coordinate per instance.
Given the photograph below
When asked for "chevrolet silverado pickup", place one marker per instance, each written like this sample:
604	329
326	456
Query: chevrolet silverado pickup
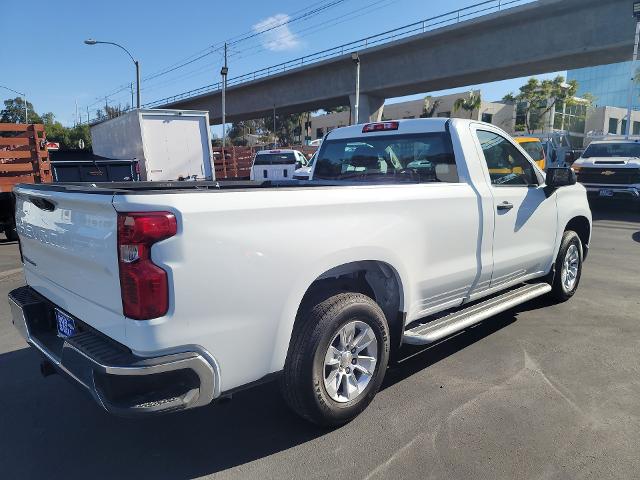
160	297
610	169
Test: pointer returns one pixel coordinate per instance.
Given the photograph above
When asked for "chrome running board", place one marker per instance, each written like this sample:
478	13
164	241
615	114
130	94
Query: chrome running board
431	332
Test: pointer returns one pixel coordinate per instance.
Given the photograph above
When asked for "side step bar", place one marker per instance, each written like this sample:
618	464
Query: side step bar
435	330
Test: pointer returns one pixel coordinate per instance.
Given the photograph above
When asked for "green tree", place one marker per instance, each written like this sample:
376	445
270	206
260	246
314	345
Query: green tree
429	107
537	98
470	103
13	112
339	109
289	127
239	130
111	111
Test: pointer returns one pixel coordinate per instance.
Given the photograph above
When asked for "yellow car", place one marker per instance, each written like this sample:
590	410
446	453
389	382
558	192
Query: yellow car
533	146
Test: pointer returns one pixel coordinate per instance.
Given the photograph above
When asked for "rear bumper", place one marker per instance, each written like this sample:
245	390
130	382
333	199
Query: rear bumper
121	382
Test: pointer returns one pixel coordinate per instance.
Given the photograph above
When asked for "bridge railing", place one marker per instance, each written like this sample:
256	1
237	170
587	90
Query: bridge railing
416	28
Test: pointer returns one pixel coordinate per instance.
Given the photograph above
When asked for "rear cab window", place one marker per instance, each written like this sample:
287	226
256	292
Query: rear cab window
401	158
271	158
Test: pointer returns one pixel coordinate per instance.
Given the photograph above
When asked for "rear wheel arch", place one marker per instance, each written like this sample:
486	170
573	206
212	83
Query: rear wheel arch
377	279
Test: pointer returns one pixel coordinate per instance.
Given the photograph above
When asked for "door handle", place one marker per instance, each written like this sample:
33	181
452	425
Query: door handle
505	206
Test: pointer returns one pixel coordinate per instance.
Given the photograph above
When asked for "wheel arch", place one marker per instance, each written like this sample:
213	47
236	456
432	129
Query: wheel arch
582	226
378	279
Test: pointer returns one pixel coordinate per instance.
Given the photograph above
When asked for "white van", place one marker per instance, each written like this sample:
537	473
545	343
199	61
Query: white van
277	164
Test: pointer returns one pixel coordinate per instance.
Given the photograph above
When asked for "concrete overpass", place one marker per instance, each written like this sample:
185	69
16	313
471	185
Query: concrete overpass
539	37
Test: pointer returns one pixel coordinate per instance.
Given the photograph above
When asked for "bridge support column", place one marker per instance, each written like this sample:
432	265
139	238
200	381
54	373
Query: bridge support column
369	110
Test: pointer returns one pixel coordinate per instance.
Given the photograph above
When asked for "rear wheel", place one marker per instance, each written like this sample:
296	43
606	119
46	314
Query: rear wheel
568	267
337	359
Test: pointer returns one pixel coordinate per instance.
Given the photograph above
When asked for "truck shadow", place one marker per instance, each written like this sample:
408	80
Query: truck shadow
52	430
615	211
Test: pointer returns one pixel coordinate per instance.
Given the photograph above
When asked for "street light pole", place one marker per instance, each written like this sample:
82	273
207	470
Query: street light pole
24	99
224	71
91	41
636	13
356	59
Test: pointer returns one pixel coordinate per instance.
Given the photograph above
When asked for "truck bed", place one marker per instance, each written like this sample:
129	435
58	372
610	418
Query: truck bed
129	188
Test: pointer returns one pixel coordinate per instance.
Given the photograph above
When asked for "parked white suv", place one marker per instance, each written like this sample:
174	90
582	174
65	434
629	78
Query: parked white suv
163	297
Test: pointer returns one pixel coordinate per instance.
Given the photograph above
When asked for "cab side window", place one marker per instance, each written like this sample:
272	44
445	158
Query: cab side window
507	166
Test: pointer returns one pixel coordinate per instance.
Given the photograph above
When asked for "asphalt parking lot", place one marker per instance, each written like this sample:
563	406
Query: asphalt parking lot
542	391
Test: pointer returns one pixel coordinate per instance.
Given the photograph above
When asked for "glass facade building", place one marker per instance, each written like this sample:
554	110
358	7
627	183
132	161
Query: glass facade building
609	84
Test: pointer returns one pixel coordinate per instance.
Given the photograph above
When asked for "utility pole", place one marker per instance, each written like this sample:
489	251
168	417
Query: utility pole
356	59
87	115
636	13
137	63
78	120
26	109
131	84
224	71
275	137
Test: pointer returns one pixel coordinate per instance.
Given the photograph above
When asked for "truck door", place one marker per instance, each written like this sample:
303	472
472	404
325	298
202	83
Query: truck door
525	218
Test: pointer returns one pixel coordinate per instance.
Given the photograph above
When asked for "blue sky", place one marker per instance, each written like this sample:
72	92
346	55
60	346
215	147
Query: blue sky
48	60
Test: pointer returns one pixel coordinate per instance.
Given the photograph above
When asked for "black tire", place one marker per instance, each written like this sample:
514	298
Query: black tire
11	234
302	383
559	290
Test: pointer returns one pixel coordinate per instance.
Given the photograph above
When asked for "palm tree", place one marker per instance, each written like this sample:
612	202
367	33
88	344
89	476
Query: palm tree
429	107
470	103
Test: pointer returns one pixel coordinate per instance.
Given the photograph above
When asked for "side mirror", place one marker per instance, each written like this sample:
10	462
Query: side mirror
569	157
298	164
560	177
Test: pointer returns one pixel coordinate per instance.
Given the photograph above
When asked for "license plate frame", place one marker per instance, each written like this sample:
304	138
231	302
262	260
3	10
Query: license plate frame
65	324
605	192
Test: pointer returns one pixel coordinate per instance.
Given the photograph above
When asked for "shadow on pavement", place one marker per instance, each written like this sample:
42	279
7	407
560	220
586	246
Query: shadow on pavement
49	429
620	211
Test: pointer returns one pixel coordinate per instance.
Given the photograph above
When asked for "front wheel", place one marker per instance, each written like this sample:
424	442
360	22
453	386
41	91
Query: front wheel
568	267
337	359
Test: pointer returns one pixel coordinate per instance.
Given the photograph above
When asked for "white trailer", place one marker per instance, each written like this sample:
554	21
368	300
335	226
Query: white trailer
168	144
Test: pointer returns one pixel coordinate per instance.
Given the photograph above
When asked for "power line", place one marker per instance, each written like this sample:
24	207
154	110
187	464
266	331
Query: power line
438	21
310	11
256	48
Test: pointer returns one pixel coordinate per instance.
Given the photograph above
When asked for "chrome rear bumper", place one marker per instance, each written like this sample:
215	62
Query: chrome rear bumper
121	382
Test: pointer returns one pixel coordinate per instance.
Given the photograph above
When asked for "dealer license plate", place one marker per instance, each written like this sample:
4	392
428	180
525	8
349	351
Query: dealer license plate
66	325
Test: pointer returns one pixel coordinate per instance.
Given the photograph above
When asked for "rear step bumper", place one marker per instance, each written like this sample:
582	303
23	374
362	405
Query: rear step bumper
121	382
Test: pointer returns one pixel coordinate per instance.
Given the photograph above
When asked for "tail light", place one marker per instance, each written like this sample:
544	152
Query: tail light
143	285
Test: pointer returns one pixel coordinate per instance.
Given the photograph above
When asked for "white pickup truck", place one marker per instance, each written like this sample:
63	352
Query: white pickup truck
610	170
162	297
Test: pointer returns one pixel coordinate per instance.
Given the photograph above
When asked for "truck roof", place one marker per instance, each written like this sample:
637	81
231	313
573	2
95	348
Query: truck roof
277	150
412	125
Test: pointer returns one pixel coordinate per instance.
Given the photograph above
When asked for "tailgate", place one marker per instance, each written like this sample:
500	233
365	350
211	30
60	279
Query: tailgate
69	249
274	172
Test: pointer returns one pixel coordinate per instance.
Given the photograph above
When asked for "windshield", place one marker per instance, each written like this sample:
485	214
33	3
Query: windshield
534	149
287	158
426	157
612	150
